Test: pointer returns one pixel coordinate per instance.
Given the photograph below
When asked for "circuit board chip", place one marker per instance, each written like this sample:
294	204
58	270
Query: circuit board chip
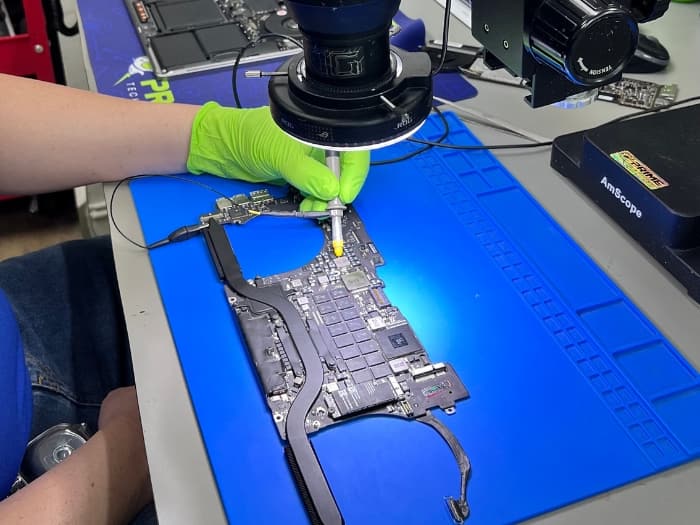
355	280
399	341
358	398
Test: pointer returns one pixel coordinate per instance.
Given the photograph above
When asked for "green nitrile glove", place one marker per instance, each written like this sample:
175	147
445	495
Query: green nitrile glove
246	144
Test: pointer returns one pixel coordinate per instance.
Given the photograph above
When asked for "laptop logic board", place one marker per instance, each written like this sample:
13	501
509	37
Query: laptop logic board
328	345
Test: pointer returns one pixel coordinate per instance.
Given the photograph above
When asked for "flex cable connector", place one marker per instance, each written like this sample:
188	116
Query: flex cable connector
336	207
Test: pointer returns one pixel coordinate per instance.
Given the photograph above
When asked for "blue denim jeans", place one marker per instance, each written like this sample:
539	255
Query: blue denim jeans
67	305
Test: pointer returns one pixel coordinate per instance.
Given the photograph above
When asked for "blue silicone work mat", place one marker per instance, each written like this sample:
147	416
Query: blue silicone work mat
573	391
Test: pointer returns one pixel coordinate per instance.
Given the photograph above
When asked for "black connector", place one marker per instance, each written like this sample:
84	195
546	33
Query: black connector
456	55
181	234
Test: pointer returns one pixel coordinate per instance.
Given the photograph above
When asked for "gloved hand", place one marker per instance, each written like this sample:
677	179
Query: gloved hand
246	144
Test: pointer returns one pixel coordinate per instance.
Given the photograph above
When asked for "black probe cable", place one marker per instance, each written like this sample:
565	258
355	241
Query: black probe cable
239	57
186	232
180	234
427	145
422	149
549	143
481	147
650	110
445	37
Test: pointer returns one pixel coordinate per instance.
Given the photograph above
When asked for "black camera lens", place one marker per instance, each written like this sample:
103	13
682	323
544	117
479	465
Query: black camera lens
347	43
589	41
646	10
350	89
561	47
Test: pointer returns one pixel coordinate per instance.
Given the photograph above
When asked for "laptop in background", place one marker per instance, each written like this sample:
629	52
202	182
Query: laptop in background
190	36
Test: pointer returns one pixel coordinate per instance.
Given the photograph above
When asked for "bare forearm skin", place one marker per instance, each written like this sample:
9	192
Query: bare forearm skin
105	482
54	137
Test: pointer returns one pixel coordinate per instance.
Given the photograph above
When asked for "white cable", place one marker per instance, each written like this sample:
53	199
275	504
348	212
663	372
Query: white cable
489	120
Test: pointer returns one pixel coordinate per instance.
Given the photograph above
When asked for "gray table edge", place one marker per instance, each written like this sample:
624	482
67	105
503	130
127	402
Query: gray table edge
184	489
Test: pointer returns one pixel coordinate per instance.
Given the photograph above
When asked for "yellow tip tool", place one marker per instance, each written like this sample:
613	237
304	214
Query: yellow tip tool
336	207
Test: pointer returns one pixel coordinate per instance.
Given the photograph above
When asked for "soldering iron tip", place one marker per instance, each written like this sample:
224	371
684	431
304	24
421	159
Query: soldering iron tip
338	248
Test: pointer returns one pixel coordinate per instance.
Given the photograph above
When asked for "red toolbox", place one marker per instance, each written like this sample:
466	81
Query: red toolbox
28	54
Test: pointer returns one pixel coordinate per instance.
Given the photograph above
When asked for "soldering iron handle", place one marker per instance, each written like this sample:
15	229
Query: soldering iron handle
333	162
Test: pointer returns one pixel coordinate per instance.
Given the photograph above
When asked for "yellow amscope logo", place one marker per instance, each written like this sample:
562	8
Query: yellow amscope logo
639	170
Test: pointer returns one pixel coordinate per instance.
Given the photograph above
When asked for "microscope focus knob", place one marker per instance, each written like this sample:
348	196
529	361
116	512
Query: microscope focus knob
589	41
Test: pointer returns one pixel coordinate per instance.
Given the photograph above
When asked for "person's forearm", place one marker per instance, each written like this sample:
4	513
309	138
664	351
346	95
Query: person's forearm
53	137
104	482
